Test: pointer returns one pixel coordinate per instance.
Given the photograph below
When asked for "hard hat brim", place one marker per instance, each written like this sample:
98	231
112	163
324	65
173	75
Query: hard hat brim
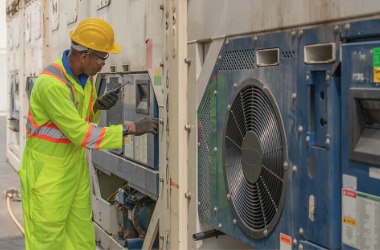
114	50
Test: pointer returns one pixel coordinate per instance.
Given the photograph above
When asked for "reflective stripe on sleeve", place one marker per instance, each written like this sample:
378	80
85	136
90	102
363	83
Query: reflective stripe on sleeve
93	137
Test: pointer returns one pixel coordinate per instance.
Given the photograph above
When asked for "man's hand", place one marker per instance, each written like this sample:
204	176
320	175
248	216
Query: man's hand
107	101
143	126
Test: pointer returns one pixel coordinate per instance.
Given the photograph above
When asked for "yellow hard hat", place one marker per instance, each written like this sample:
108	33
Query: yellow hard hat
95	34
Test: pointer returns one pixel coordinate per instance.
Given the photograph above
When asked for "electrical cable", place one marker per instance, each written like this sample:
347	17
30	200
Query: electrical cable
9	197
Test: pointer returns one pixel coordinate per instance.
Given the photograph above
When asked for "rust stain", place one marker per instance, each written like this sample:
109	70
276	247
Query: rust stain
172	183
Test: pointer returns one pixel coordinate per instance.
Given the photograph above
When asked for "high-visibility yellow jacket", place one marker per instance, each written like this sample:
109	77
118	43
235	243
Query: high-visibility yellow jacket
54	174
60	112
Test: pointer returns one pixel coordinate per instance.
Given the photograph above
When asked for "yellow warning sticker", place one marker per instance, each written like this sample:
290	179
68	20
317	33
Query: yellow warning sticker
376	74
349	221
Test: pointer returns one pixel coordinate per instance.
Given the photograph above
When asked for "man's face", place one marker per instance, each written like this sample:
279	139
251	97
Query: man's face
96	61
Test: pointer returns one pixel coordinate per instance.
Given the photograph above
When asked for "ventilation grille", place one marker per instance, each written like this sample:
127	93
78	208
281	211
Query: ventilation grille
254	154
288	54
204	162
238	60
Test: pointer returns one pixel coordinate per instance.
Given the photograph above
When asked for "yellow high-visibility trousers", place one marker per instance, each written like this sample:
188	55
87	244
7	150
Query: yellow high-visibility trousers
56	202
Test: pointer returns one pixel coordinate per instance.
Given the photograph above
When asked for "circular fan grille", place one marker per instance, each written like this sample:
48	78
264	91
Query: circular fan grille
254	157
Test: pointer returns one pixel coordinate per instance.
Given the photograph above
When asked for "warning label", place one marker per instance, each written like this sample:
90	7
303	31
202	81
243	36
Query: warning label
285	242
360	219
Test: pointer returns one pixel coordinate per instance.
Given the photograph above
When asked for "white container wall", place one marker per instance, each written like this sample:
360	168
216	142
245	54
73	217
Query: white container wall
3	59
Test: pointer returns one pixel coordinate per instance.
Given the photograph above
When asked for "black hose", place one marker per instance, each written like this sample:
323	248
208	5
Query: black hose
207	234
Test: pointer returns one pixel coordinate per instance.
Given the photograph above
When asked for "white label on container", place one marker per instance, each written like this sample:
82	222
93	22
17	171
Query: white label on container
360	220
374	173
285	242
349	182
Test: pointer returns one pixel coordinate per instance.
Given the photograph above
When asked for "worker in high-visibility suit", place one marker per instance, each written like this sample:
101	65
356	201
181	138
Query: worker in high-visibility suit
63	107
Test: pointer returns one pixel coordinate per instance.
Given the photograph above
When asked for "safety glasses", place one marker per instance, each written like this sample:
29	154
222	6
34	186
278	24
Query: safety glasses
99	59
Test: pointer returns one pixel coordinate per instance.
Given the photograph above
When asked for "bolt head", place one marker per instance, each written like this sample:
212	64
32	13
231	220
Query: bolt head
307	138
295	242
234	221
294	168
286	165
327	141
300	231
300	129
228	196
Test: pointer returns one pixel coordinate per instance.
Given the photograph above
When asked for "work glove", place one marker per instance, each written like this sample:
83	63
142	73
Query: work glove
107	101
146	125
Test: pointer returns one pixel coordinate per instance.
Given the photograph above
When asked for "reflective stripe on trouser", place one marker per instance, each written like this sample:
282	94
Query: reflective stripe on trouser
56	202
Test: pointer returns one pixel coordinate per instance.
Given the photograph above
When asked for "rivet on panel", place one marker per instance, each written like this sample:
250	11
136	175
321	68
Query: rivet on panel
235	85
300	33
188	127
215	149
227	42
188	60
229	107
228	196
295	242
327	77
234	221
255	38
265	232
162	236
347	27
215	92
294	169
199	144
300	129
219	57
294	97
307	138
307	77
293	33
188	195
286	165
336	28
220	225
300	247
327	141
215	209
300	231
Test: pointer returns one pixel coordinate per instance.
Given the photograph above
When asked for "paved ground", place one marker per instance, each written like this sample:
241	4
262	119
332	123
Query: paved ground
10	236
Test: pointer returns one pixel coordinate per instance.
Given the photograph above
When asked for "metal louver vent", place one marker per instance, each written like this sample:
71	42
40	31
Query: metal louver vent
238	60
254	156
204	162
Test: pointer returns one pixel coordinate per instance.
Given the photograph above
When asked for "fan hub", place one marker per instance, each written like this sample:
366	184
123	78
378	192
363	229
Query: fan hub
251	157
